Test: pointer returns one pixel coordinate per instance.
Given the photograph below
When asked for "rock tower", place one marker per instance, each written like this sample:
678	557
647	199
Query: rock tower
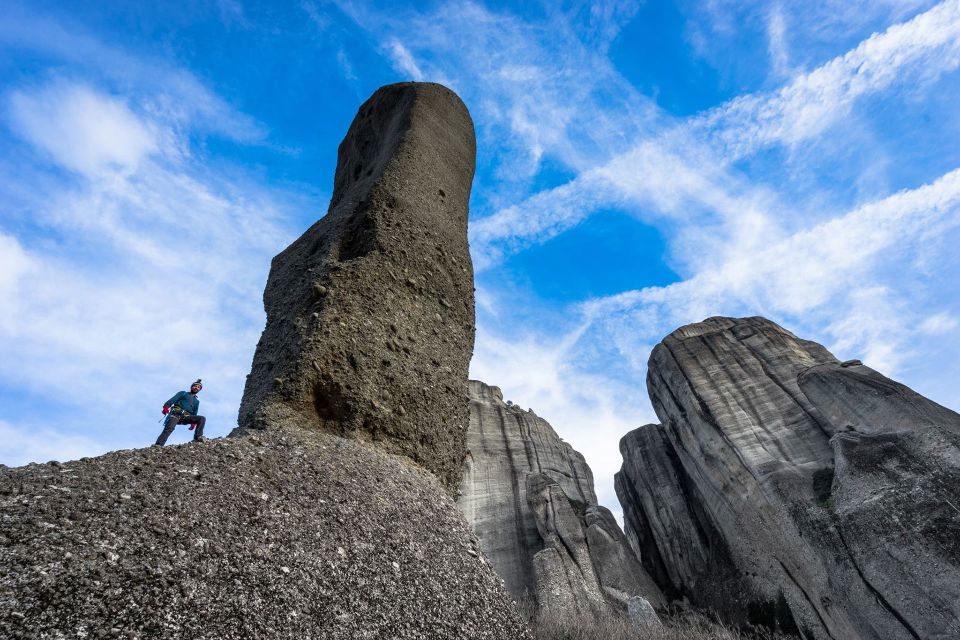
370	318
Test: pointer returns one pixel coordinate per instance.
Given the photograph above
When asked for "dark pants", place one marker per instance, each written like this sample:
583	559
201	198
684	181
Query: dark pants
174	419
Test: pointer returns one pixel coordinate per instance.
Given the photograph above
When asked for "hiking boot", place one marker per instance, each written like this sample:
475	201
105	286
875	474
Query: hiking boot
200	439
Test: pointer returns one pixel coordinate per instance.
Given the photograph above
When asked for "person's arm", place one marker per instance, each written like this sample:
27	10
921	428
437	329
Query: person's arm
177	396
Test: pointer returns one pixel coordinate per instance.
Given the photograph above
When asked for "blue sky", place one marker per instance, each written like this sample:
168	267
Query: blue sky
641	165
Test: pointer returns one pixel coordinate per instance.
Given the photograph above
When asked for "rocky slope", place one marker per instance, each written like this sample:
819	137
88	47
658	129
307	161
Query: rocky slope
293	531
370	320
799	491
529	497
280	535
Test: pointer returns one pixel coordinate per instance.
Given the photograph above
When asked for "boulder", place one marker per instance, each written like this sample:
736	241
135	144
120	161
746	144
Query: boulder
642	616
614	561
370	319
825	486
895	495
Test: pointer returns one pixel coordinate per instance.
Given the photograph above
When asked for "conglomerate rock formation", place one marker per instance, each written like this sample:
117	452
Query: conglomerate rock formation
370	320
529	497
293	531
278	535
793	489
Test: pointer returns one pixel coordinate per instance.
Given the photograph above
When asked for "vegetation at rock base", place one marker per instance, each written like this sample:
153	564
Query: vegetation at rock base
683	627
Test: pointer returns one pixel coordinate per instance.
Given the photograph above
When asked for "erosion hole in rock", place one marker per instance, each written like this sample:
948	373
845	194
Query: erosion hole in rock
823	485
774	615
329	402
359	238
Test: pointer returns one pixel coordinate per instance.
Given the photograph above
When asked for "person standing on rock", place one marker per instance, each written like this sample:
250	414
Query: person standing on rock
182	409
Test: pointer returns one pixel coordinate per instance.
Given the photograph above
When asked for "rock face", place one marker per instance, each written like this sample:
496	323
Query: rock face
294	531
666	525
280	535
370	319
805	493
529	497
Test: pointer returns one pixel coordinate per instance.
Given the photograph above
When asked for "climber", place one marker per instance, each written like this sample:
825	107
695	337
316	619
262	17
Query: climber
182	409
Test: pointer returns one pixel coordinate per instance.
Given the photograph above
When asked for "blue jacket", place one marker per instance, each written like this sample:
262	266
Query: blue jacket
186	401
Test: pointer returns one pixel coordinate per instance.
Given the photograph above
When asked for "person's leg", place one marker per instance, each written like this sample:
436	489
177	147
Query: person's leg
200	420
168	425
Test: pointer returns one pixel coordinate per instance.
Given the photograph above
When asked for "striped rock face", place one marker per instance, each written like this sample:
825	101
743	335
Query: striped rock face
529	497
791	489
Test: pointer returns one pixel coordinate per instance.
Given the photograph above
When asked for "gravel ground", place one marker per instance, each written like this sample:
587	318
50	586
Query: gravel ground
287	534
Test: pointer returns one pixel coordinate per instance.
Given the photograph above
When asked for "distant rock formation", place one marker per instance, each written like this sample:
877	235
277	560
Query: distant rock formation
529	497
792	489
293	531
370	320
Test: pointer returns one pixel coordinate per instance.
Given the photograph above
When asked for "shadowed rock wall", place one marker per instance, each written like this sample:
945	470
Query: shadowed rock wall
370	319
529	497
667	526
826	486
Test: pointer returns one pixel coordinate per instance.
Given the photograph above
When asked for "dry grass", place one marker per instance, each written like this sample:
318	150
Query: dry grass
686	627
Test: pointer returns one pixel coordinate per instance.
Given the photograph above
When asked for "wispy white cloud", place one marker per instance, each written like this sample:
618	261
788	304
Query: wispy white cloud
818	30
149	271
684	169
403	60
601	21
922	49
777	43
82	130
345	65
939	323
169	92
841	263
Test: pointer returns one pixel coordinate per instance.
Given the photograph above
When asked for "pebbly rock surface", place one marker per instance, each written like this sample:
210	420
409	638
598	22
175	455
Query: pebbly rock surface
787	488
529	497
370	318
278	535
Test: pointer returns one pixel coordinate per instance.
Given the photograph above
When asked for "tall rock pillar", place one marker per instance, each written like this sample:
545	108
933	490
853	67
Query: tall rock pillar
370	317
